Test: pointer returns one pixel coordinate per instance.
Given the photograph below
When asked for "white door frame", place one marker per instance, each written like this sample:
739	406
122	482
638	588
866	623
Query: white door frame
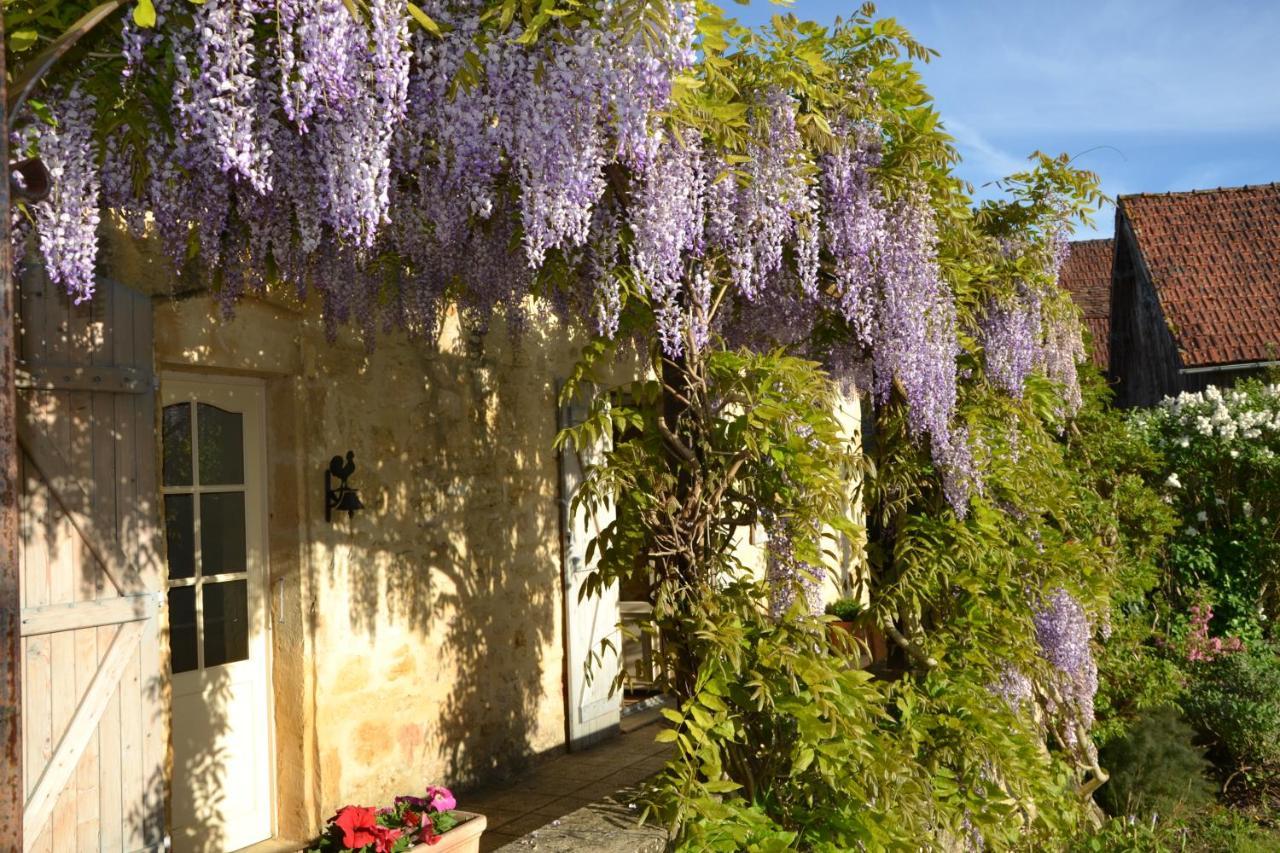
247	395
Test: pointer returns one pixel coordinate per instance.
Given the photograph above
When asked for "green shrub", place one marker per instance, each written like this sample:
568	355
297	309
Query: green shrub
784	748
1214	831
1155	769
846	609
1234	700
1136	675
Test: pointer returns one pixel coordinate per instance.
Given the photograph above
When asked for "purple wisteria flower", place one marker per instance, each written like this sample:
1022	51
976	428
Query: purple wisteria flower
1010	335
66	222
788	576
1063	633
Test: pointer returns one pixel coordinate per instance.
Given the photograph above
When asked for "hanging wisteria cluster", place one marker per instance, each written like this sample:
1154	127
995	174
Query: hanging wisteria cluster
67	221
1063	632
1035	330
342	140
788	576
387	169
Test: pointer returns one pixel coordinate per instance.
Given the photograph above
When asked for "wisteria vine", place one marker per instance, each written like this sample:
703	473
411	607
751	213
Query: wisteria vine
392	170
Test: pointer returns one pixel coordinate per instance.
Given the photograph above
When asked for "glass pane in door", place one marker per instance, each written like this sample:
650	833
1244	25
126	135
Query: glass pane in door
222	544
177	444
226	622
182	628
221	435
180	535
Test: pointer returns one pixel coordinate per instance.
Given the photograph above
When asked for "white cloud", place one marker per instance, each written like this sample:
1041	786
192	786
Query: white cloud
983	160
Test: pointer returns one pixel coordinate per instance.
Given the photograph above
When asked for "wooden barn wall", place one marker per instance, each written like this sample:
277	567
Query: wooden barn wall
1144	358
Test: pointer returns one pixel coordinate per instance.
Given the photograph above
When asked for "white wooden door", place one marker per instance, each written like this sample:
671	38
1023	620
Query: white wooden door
95	718
213	477
594	709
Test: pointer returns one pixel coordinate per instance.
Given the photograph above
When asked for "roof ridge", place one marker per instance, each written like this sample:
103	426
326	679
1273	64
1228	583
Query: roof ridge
1203	191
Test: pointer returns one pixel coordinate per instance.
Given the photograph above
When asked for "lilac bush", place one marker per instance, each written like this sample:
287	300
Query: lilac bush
1221	451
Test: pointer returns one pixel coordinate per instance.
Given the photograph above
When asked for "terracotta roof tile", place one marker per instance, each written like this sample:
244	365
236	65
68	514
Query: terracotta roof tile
1214	259
1087	276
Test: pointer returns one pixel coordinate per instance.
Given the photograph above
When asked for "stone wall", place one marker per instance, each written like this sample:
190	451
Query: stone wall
420	641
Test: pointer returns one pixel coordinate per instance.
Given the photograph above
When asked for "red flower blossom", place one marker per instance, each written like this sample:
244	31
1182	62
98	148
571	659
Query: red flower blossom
384	838
359	826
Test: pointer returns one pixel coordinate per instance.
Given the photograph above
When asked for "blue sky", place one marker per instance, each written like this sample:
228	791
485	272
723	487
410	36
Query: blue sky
1168	95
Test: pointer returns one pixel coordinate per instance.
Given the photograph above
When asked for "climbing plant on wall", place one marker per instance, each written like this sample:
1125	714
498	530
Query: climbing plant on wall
769	217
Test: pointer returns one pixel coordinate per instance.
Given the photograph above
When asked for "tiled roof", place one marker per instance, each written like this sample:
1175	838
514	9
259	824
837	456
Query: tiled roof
1087	277
1214	259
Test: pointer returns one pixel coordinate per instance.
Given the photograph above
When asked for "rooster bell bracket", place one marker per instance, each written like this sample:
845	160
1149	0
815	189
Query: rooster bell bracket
341	497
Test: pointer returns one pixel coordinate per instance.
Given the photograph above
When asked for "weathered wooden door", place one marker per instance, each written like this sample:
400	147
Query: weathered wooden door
95	708
594	709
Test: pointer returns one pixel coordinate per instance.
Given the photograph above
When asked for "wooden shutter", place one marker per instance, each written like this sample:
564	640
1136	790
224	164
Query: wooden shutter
95	709
593	708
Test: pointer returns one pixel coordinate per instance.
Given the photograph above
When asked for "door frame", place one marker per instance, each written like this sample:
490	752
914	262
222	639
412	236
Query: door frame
196	378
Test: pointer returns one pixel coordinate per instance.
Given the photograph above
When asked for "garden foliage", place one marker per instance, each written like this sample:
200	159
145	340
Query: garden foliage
1235	699
1156	769
1222	454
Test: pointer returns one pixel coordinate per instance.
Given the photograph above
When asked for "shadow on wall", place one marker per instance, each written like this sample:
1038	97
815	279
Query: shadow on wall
452	572
443	597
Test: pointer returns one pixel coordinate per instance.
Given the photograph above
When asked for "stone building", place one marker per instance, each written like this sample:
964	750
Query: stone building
214	653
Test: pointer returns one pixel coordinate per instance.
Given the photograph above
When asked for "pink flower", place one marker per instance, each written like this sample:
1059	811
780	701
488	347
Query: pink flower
1201	646
384	838
441	799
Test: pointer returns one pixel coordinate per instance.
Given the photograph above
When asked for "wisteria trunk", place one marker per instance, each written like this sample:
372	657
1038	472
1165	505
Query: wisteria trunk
680	568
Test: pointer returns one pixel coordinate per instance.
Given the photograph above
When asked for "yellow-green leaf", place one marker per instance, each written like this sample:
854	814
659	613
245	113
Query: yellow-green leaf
20	40
423	19
144	14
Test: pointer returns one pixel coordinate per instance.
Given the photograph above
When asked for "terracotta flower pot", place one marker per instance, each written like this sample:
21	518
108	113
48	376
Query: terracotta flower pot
867	635
463	838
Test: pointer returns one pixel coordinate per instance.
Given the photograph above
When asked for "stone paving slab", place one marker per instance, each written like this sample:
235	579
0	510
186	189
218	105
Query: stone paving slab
604	827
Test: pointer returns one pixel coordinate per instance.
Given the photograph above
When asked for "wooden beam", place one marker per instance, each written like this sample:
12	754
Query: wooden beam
81	377
73	615
10	488
84	722
69	493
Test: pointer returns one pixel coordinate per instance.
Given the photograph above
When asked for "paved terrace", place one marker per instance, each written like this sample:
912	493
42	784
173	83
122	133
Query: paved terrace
555	788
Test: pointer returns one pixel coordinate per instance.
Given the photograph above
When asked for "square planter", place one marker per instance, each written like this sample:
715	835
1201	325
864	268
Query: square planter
876	649
463	838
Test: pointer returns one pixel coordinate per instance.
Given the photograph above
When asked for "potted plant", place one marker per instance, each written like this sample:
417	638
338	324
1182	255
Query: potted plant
849	616
846	611
411	825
